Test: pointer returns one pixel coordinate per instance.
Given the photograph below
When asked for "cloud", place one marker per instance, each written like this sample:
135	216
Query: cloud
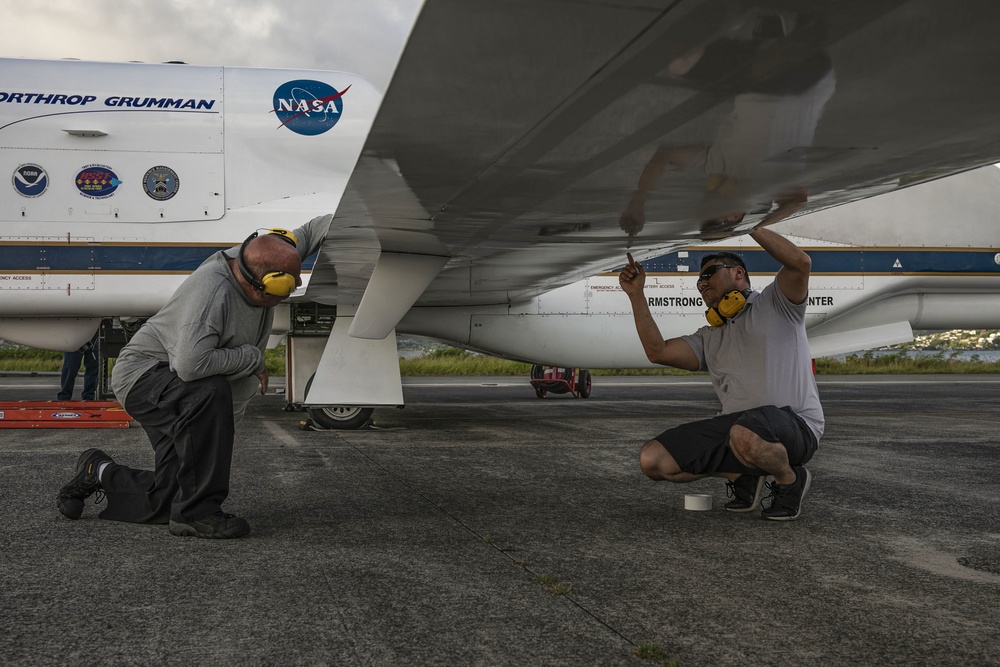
364	38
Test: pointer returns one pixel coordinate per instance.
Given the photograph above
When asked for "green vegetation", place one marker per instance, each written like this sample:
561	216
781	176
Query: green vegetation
26	359
453	361
899	364
650	651
560	589
942	358
16	358
553	585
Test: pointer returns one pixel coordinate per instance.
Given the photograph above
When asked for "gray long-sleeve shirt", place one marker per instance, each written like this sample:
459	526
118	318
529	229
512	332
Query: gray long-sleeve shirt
209	327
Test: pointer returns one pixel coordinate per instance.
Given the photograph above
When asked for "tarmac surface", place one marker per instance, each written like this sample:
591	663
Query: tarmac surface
483	526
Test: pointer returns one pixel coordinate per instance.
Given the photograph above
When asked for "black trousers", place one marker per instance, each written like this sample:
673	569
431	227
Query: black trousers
190	425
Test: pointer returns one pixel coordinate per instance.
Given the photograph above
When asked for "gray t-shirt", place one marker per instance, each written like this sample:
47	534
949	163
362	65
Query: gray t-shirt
761	357
209	327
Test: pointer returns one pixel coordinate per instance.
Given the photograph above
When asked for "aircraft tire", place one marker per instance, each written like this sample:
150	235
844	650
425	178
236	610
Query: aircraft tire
340	417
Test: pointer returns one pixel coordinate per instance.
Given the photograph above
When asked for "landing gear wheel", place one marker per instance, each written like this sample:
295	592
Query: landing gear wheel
540	393
341	417
583	384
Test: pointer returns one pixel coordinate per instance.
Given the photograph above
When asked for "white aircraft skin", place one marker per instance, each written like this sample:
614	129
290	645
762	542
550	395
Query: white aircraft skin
501	169
860	297
589	323
237	154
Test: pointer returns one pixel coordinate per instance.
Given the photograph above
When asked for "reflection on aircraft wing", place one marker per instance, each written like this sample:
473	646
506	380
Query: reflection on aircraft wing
525	135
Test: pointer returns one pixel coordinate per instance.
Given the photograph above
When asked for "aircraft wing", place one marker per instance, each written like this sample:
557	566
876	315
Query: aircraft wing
522	146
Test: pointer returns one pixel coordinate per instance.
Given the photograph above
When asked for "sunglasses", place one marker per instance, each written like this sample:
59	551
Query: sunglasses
710	271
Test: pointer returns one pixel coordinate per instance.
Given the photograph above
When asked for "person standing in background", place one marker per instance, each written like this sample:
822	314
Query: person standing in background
89	354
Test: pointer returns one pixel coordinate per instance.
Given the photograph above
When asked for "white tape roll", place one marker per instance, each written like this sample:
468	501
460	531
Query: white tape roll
698	502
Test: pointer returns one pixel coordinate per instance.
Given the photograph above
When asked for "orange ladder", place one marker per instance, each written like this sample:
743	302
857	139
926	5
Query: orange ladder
63	414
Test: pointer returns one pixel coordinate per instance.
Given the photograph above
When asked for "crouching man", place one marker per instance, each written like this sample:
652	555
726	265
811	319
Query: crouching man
756	353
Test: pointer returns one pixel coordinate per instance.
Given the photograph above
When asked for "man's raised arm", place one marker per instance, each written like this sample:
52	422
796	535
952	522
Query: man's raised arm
674	352
793	276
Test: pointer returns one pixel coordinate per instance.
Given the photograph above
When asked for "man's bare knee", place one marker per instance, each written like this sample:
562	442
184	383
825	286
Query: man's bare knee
753	451
745	444
656	462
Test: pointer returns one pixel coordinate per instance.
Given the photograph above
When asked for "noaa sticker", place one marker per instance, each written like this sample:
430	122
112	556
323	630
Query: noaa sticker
97	181
30	180
66	415
161	183
308	107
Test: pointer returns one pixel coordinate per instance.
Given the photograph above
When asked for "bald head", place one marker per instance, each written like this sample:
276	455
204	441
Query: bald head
271	253
262	256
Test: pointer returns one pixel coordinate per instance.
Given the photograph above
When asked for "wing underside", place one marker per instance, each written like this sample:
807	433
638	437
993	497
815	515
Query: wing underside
525	145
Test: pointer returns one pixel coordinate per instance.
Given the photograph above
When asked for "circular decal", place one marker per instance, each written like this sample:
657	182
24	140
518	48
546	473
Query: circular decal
308	107
30	180
97	181
161	183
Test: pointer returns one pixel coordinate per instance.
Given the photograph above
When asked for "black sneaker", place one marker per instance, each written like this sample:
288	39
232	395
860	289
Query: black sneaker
216	526
745	493
83	485
786	499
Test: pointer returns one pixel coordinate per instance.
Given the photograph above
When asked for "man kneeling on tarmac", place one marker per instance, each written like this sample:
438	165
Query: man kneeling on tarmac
187	376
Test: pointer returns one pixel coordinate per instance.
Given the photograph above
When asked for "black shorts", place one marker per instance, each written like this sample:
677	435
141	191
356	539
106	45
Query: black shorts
702	447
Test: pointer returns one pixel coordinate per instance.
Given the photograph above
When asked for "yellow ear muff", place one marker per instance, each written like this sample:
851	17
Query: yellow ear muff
278	283
731	304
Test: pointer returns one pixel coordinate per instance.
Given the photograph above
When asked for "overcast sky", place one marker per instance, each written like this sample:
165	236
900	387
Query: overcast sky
359	36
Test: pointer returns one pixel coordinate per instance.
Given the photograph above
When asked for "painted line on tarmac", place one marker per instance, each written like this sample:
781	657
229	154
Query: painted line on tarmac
910	381
279	434
604	383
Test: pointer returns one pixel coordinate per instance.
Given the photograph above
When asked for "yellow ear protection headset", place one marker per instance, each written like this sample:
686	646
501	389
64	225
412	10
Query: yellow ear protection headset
275	283
731	304
735	300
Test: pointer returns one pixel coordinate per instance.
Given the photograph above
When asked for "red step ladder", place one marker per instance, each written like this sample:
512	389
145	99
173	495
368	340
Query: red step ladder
63	414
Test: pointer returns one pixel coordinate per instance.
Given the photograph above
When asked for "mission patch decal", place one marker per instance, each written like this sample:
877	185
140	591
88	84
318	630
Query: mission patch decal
161	183
97	181
30	180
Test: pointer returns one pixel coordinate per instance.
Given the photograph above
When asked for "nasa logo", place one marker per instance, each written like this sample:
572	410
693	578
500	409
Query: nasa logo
161	183
97	181
30	180
308	107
